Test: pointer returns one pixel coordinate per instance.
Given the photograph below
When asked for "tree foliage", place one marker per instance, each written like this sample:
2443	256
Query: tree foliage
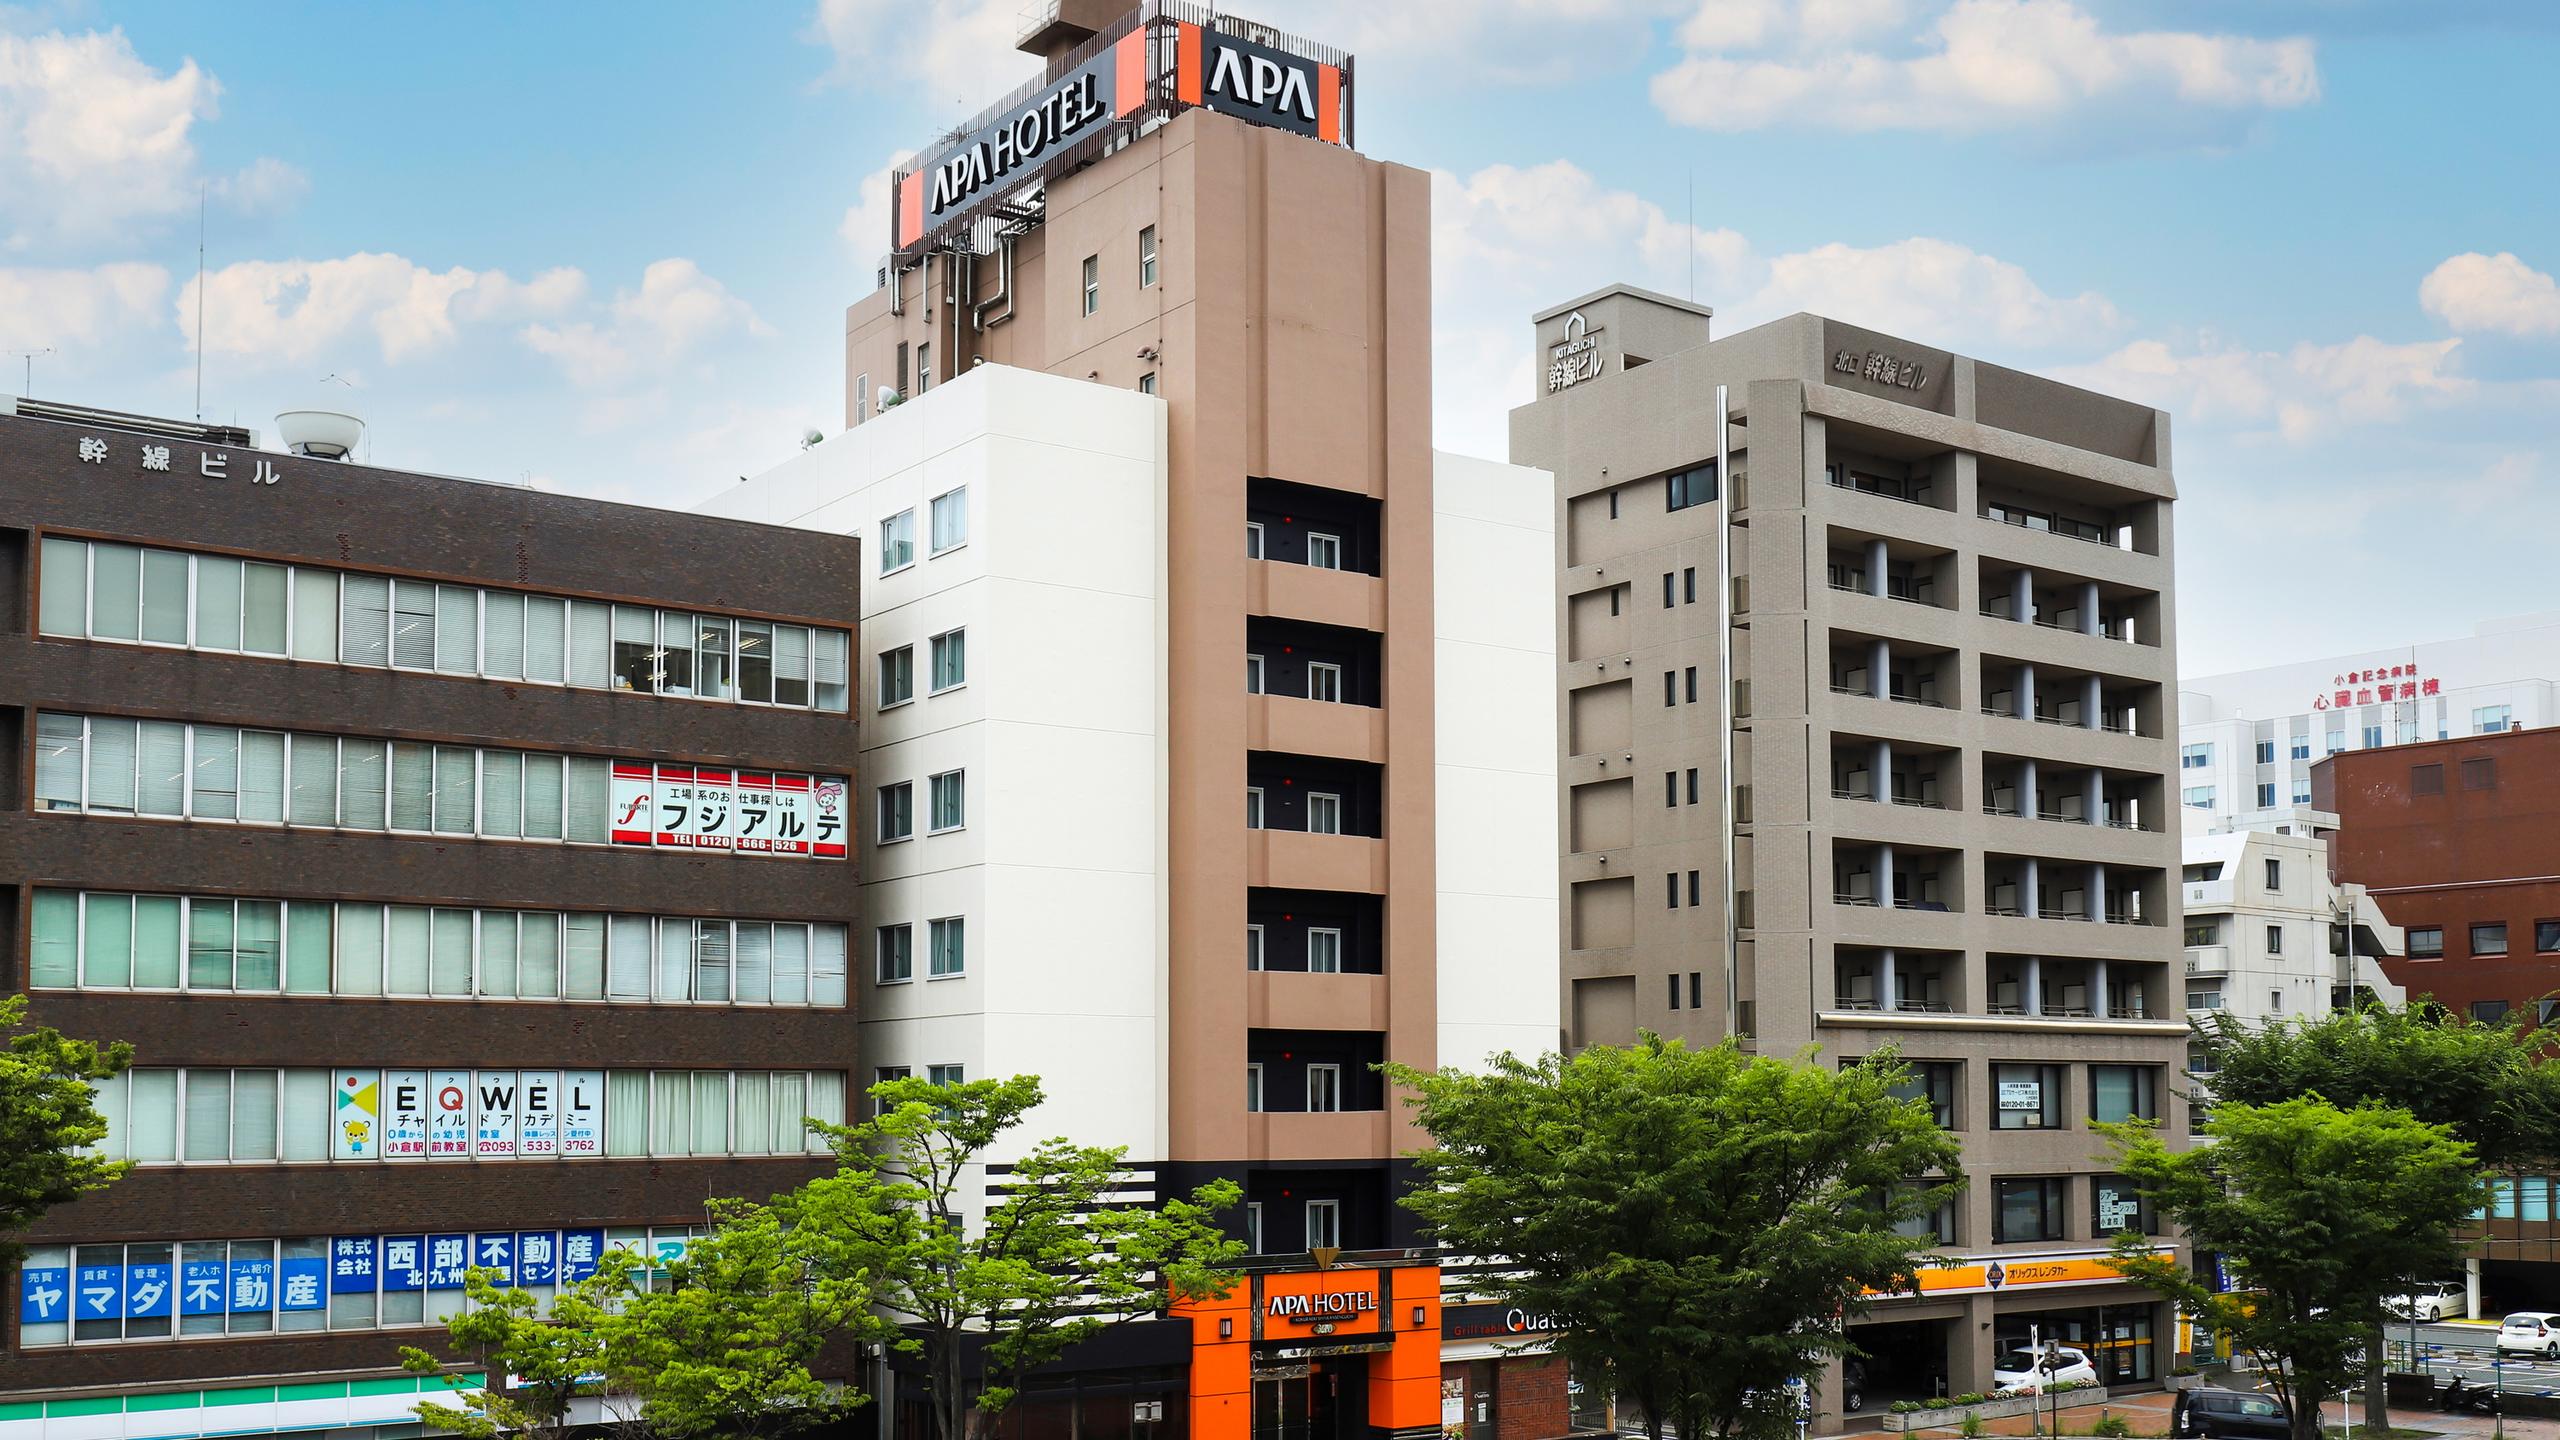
1051	1262
48	1120
1697	1221
538	1357
2323	1211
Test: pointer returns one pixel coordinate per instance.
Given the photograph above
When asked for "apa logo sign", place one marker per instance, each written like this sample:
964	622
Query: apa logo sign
1270	87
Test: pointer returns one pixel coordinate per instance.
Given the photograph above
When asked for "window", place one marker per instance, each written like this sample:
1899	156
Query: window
2372	737
2275	940
1253	1227
2491	719
1092	283
2480	774
2123	1092
897	811
2301	792
2195	757
1253	947
897	676
1253	1088
1324	1224
1324	813
1324	552
1324	1088
2546	936
2197	797
898	541
2426	942
1935	1082
861	398
2275	874
1253	675
2026	1097
950	660
2336	741
946	1074
2301	747
1684	488
950	800
2027	1210
1689	585
1253	807
1324	681
2489	939
1147	383
1613	504
895	947
950	520
2489	1012
948	943
2426	779
924	368
1147	256
1253	539
2266	797
1670	788
1324	951
2266	752
2117	1207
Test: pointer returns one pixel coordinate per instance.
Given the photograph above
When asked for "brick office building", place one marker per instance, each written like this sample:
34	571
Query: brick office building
467	865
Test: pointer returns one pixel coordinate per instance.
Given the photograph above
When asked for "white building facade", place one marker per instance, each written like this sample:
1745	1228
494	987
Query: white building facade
2268	935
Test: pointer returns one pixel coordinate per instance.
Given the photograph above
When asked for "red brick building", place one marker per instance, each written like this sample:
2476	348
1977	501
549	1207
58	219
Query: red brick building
2459	842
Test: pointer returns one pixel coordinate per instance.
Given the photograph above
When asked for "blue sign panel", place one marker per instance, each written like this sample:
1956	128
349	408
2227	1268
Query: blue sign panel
448	1259
303	1284
404	1262
98	1292
537	1258
149	1290
496	1252
579	1252
253	1285
355	1265
44	1295
200	1287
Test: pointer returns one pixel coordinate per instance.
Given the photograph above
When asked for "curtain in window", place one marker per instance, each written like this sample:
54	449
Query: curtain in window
671	1112
208	1135
711	1112
449	966
61	761
711	960
364	783
542	797
258	945
406	971
457	629
115	597
2115	1091
501	793
359	950
791	964
53	942
413	776
498	954
217	602
675	959
457	786
590	795
635	641
261	775
164	597
208	944
315	614
109	1096
262	620
582	954
253	1114
755	964
315	780
217	773
790	665
161	753
502	637
413	624
111	754
752	1095
790	1103
831	669
826	1103
106	944
590	644
538	977
826	965
546	638
627	974
368	621
62	604
156	932
151	1109
626	1112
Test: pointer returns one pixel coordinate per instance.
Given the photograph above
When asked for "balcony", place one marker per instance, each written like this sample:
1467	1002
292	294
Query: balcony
1315	727
1288	1136
1312	593
2208	959
1297	860
1299	1000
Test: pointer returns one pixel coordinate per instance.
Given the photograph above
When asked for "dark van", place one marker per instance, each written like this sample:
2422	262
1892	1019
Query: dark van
2228	1415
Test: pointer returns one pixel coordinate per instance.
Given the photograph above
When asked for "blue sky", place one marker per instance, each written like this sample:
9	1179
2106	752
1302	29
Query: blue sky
607	248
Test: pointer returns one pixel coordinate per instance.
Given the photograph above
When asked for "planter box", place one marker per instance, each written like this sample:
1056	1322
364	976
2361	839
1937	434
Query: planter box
1953	1415
2184	1382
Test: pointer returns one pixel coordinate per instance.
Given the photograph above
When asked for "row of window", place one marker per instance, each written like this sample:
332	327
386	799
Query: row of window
2036	1209
112	941
1324	679
195	1289
2488	939
2033	1097
100	590
1324	552
949	660
111	765
946	949
1324	949
1324	811
947	796
950	512
219	1116
1091	290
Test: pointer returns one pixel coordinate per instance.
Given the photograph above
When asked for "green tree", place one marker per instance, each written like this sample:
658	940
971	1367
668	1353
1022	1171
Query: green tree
724	1341
537	1358
1698	1221
2323	1211
48	1120
1051	1262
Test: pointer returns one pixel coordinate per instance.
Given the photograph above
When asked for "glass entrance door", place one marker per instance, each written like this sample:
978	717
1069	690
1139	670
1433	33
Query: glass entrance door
1323	1400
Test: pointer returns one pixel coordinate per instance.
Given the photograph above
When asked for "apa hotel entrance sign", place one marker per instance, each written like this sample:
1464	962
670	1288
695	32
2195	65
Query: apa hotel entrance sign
1167	57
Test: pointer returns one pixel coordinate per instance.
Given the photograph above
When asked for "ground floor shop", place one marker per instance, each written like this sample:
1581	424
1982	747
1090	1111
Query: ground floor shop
1948	1338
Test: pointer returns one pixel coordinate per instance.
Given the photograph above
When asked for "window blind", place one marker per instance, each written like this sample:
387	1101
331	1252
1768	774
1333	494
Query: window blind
449	968
501	793
217	773
791	964
457	782
115	597
61	761
405	969
253	1114
413	773
164	597
303	1108
156	934
109	1097
364	783
315	614
217	602
498	954
359	950
62	601
502	635
542	795
826	965
538	947
315	780
413	624
546	639
151	1109
832	669
53	943
262	621
209	945
208	1103
790	665
755	964
590	643
628	972
306	947
457	629
368	621
107	941
582	955
111	747
711	960
162	788
590	797
258	945
675	959
261	775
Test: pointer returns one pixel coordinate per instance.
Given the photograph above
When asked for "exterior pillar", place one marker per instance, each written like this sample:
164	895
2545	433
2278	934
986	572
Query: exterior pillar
1404	1382
1880	671
2089	608
2097	800
2098	893
2099	1005
1969	1348
2035	985
2029	802
2471	1285
2022	595
1888	987
1884	876
2027	691
1882	771
2034	902
1876	568
2093	706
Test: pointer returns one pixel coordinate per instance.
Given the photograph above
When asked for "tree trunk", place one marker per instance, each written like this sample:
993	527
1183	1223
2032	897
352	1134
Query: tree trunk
2377	1392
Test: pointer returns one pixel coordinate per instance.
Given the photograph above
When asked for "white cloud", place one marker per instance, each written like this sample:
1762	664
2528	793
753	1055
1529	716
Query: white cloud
267	186
1982	65
2300	395
2475	292
676	310
865	226
75	311
962	51
271	312
1924	288
92	138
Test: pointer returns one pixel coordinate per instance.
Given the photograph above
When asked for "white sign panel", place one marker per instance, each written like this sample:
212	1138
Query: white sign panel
2021	1095
582	1112
449	1115
493	1114
538	1115
404	1115
355	1129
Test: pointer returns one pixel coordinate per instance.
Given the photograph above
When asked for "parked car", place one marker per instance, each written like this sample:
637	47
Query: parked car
2018	1371
2530	1332
2228	1415
2434	1300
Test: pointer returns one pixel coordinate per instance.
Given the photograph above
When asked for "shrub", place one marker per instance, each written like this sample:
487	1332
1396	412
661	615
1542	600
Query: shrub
1903	1407
1971	1397
1972	1426
1936	1402
2115	1426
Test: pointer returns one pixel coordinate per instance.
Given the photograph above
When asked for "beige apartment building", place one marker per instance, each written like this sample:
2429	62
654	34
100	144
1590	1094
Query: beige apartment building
1951	729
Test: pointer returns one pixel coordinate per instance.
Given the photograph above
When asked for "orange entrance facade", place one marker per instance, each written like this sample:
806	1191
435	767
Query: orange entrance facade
1318	1355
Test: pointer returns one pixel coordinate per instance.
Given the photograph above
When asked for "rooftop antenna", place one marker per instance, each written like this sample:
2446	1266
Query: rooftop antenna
30	357
1691	227
200	191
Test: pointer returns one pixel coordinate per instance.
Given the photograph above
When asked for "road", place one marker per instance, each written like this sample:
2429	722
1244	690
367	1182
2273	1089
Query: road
2467	1350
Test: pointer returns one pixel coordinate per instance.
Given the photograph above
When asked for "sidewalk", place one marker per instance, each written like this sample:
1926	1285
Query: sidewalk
2149	1415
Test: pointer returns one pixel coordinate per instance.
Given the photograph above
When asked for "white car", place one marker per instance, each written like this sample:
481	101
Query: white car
2433	1301
2017	1371
2530	1332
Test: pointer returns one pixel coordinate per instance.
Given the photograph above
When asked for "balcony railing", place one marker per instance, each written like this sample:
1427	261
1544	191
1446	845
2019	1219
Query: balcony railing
2208	959
1939	907
1840	481
2098	536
